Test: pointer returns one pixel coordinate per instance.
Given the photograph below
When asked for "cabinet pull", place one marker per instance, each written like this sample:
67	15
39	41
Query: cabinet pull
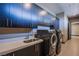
13	54
7	22
37	49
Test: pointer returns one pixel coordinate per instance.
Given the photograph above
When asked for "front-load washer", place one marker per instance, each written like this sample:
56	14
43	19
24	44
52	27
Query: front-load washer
59	37
44	35
49	41
53	43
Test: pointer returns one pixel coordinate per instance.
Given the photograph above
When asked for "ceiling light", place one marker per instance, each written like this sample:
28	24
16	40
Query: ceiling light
28	5
42	13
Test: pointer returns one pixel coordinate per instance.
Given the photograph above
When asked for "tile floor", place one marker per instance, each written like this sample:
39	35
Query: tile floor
71	47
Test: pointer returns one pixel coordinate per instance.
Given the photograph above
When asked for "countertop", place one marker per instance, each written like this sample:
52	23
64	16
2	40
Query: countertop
9	47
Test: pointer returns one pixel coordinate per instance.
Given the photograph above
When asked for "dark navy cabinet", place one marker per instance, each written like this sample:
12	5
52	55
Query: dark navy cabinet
17	15
3	18
34	50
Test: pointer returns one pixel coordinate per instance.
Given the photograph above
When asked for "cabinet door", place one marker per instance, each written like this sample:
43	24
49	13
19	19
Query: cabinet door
38	49
46	20
3	16
14	15
3	22
27	15
9	54
35	50
34	16
29	51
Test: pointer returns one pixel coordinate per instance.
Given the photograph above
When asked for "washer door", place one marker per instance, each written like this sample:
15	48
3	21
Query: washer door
53	43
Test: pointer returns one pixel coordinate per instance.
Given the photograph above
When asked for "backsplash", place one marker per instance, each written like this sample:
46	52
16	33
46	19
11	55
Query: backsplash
16	37
6	36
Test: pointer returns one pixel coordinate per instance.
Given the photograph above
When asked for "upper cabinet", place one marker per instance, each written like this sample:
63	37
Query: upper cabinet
20	15
3	18
24	15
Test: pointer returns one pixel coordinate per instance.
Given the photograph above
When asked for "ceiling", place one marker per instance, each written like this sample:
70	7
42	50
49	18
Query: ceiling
70	9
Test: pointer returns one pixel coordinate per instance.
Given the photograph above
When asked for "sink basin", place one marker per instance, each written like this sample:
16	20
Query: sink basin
31	40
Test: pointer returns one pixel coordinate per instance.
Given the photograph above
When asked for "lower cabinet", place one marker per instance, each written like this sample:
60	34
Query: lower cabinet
9	54
34	50
28	51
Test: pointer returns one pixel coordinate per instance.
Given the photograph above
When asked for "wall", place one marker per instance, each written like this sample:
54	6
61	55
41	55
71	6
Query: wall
63	25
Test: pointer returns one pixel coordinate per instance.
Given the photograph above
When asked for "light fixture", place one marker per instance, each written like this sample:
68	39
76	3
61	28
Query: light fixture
42	13
27	5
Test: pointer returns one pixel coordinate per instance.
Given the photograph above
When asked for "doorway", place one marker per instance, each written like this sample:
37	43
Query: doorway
73	27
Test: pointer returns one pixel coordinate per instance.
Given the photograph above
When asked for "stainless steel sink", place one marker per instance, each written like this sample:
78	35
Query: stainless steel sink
31	40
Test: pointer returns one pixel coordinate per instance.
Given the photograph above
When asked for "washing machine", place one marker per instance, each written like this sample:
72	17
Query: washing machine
53	43
49	41
59	39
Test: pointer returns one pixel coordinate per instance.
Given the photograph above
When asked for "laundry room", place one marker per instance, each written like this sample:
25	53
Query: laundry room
39	29
30	25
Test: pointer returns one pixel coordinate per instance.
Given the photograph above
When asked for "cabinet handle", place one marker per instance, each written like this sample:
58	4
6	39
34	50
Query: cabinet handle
13	54
7	22
37	49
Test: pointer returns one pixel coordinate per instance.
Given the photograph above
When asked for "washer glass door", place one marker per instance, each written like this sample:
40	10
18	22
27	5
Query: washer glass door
53	44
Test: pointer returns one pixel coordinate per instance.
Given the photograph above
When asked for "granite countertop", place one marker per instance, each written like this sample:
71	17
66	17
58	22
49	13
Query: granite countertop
9	47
